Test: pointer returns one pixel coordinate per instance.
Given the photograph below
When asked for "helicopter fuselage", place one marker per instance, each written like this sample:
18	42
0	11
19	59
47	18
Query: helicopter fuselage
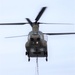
36	46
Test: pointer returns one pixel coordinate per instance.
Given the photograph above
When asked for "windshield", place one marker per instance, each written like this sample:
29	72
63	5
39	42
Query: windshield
39	33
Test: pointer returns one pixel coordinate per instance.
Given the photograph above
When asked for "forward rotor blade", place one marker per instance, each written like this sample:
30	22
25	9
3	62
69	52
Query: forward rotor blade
40	14
13	23
57	23
16	36
29	21
59	33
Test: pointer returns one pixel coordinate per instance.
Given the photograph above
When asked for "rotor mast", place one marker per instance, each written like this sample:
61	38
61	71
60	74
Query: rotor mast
35	28
35	25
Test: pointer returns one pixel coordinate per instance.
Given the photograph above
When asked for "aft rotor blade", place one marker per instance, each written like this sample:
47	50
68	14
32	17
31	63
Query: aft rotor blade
56	23
16	36
29	21
59	33
13	23
40	13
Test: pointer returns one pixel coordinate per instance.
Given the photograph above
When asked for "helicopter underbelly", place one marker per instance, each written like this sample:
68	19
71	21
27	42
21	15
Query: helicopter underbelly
36	50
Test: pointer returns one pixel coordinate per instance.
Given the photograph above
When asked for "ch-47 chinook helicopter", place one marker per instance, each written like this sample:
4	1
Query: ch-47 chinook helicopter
36	46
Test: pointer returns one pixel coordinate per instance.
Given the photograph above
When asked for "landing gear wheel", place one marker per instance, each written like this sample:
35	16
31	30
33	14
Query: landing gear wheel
46	59
28	58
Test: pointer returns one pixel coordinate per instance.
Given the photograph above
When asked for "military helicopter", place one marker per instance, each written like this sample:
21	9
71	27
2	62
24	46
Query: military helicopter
36	45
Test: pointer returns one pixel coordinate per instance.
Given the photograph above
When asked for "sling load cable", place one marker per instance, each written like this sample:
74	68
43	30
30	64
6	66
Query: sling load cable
37	66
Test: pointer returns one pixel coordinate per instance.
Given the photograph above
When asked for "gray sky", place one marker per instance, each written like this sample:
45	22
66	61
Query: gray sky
61	49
